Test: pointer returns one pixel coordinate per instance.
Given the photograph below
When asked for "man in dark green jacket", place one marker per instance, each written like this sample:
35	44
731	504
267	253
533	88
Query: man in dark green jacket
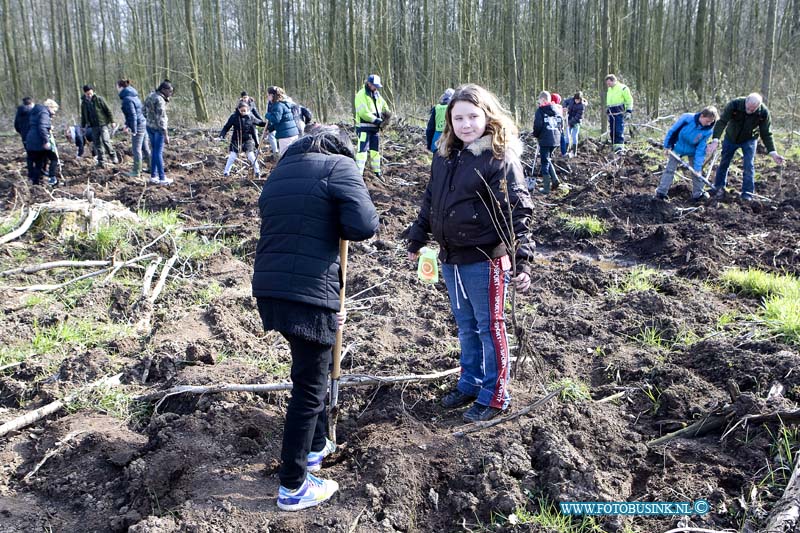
96	115
743	120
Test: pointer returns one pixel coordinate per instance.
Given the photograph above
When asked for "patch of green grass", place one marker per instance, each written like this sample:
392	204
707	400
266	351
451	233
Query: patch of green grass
160	220
59	339
584	226
686	337
652	337
10	223
785	452
653	394
640	278
780	308
782	316
105	398
38	299
548	517
207	294
727	319
197	248
110	240
754	282
572	390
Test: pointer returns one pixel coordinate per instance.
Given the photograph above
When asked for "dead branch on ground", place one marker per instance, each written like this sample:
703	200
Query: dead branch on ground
480	426
37	414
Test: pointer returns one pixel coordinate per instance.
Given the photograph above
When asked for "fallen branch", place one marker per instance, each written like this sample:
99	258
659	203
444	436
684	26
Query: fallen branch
147	281
48	288
32	215
777	416
702	427
211	226
785	515
163	278
353	380
32	269
37	414
480	426
51	452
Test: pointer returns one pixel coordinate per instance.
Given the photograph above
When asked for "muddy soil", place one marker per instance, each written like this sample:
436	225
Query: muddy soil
208	463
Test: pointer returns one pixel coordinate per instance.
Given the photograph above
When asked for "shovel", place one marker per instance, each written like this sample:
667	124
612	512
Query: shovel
686	165
336	371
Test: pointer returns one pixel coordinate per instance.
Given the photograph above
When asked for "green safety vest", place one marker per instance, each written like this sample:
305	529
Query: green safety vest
441	116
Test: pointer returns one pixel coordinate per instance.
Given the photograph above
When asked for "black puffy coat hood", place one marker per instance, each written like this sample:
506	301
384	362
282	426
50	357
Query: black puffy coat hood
310	201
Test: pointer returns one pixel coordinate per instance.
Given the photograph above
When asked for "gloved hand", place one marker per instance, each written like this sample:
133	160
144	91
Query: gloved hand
378	121
628	114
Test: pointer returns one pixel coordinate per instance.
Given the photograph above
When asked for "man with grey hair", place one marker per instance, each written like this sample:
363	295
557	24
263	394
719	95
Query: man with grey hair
743	120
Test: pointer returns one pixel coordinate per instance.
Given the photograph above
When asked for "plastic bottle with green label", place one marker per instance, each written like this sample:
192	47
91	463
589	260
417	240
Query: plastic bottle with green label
428	266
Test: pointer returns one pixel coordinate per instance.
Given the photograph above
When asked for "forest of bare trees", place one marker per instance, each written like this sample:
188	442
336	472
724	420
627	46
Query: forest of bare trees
688	50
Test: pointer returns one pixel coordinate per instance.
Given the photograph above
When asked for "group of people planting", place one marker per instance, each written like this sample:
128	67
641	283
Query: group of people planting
477	207
34	124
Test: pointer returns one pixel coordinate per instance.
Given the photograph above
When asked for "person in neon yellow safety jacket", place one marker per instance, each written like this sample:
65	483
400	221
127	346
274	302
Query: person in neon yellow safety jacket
437	120
619	106
371	111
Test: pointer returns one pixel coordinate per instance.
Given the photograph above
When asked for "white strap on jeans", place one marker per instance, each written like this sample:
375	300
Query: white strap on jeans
459	285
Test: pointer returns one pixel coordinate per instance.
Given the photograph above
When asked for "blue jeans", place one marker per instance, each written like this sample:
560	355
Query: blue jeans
616	128
563	143
573	134
157	155
477	297
748	161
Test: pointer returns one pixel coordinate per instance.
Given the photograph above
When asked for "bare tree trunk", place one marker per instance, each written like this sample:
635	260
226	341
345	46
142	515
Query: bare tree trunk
12	60
54	52
698	69
73	61
201	113
605	44
164	41
769	52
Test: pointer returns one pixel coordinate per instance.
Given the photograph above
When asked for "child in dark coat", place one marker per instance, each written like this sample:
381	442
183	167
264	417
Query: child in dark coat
244	137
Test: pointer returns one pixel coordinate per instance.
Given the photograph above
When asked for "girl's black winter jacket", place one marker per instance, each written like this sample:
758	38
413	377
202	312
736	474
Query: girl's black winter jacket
464	205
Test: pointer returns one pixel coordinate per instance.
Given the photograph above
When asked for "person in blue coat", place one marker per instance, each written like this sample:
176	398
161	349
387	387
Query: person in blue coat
135	123
688	137
39	142
280	118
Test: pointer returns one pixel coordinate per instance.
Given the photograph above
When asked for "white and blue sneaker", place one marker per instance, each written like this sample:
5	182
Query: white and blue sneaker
312	492
315	458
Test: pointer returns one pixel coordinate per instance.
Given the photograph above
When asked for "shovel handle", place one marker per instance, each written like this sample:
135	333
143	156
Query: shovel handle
336	371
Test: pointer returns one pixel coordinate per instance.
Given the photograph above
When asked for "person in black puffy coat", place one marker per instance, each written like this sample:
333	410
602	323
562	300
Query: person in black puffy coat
244	137
313	198
39	142
478	209
548	125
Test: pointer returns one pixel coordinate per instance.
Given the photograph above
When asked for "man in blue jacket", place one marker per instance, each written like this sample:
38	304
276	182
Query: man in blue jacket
688	137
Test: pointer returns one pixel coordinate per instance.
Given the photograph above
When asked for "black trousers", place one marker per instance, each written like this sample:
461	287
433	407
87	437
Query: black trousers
306	417
37	160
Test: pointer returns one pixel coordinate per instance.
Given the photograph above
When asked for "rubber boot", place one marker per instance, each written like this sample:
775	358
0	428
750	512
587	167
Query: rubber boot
136	170
554	177
545	184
